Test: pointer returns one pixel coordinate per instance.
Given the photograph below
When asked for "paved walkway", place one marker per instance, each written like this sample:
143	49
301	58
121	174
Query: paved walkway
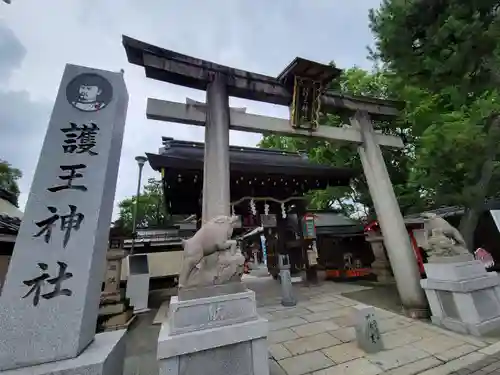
488	365
317	337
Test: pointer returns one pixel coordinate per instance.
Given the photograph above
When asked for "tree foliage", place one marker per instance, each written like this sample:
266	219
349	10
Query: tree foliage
150	208
9	177
354	200
451	50
441	58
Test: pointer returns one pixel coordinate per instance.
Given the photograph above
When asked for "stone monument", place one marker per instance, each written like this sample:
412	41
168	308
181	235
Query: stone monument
367	331
287	296
114	310
463	296
213	326
50	301
381	266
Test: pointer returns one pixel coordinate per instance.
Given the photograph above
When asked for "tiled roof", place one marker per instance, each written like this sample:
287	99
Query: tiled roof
490	204
9	225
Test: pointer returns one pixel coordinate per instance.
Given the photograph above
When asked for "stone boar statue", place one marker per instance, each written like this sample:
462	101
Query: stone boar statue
214	237
443	239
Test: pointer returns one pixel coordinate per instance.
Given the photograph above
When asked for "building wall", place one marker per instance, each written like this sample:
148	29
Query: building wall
332	249
4	266
7	208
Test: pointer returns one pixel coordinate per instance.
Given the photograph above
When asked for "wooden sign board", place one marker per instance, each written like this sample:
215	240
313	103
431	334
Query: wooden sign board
268	221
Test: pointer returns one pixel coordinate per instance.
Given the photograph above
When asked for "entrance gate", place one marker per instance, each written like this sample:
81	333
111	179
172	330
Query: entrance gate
301	86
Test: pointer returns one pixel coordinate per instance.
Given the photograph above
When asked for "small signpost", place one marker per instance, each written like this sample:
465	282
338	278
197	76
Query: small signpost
308	227
367	329
268	221
287	297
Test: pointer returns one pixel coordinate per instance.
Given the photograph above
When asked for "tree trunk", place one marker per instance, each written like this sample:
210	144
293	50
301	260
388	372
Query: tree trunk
473	211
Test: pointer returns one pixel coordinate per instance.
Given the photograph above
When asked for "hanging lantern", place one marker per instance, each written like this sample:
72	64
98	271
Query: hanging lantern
266	209
283	210
307	81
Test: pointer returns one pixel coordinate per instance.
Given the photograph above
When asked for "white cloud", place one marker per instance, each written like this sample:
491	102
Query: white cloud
39	37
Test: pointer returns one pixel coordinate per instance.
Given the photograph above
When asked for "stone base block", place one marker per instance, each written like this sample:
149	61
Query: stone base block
221	334
489	327
489	280
455	271
237	349
451	259
219	310
104	356
466	304
211	291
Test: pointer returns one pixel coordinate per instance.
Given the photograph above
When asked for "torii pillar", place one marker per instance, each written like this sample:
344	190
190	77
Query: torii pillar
216	194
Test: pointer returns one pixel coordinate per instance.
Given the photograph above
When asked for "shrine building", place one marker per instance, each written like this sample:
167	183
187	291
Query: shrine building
268	187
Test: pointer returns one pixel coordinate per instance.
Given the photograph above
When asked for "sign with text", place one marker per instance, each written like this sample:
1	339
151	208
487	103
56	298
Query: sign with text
268	221
367	329
50	300
308	226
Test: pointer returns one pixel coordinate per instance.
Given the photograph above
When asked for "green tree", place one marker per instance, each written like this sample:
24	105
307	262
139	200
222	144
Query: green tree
150	208
9	177
450	50
355	200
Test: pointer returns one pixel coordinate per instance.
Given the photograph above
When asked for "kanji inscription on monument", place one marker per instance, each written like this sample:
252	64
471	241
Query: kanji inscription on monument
50	299
37	283
69	222
73	174
367	330
80	138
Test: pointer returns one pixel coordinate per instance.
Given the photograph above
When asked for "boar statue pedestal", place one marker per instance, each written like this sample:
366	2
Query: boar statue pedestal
462	295
212	325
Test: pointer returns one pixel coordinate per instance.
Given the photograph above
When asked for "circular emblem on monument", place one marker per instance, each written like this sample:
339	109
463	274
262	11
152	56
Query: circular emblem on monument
89	92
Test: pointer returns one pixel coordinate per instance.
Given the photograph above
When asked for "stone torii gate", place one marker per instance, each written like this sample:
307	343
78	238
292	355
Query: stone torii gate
302	87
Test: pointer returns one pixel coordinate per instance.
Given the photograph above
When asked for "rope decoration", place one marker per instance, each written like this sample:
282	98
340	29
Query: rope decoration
283	211
266	206
260	199
253	209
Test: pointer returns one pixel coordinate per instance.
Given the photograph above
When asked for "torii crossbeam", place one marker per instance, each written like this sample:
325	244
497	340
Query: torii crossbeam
194	113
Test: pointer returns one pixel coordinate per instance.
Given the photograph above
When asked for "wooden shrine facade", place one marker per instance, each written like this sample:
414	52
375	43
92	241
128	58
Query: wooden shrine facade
262	182
254	173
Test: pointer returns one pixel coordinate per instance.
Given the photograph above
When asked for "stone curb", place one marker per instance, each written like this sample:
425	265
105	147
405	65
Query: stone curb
464	361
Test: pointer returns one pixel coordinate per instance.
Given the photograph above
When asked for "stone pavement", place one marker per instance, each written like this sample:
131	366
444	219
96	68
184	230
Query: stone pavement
317	337
488	365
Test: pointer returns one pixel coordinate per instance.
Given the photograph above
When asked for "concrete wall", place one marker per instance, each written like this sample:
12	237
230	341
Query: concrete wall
164	264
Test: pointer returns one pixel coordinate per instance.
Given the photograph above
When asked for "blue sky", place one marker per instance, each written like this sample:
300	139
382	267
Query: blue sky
38	37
